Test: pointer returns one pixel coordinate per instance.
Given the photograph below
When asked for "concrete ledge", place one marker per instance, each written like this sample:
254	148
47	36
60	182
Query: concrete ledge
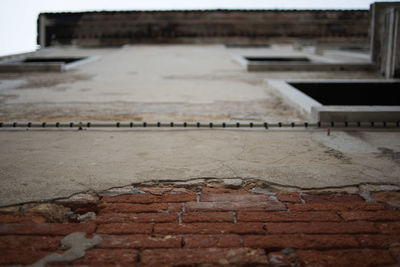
256	66
316	63
241	61
18	66
356	113
294	97
81	62
29	67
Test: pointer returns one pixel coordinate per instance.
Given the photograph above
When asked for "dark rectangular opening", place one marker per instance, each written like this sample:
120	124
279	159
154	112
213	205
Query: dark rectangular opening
278	59
352	93
65	60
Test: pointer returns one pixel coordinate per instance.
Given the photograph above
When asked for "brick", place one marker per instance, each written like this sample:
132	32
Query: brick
209	228
175	207
233	197
179	197
378	240
389	227
156	190
132	208
289	197
132	198
324	198
379	215
25	218
48	243
284	216
135	217
233	206
97	264
22	255
149	198
209	241
116	257
321	227
125	228
351	258
164	190
140	241
207	217
300	241
204	256
392	198
395	253
211	190
46	228
336	206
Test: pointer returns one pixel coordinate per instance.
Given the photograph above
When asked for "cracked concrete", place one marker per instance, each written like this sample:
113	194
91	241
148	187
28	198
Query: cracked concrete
37	165
174	83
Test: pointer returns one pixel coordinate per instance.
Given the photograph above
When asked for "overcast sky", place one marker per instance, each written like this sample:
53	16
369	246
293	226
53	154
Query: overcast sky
18	17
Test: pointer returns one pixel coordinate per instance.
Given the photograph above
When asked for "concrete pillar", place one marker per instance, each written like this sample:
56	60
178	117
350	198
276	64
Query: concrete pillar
379	31
42	31
391	44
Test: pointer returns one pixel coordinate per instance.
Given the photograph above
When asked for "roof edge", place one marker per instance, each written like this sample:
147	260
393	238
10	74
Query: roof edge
207	10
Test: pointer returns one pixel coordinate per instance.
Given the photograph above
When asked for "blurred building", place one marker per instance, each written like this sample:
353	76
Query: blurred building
134	125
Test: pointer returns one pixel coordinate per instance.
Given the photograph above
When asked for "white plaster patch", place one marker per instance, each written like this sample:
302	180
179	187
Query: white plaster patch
77	245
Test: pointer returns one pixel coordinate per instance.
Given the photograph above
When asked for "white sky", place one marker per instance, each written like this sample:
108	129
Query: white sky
18	17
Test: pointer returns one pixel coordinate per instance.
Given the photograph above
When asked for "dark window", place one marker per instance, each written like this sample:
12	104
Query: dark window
65	60
352	94
279	59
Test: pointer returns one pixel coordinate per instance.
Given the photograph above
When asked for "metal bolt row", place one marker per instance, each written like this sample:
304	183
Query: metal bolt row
265	125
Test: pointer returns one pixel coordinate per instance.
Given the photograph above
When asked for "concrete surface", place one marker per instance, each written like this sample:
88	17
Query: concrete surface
356	113
37	165
156	82
173	83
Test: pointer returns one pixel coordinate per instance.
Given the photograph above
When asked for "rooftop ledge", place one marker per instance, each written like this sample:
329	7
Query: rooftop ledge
44	64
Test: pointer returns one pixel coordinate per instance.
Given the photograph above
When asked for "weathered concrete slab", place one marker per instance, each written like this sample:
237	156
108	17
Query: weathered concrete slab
156	83
37	165
171	83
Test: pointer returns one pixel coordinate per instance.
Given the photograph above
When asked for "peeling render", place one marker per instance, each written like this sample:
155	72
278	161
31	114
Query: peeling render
76	243
61	209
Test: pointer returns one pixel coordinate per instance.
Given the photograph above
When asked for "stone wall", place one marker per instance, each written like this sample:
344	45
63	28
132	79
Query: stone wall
209	26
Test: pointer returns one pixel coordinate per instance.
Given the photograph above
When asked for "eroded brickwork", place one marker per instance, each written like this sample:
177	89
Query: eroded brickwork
177	226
